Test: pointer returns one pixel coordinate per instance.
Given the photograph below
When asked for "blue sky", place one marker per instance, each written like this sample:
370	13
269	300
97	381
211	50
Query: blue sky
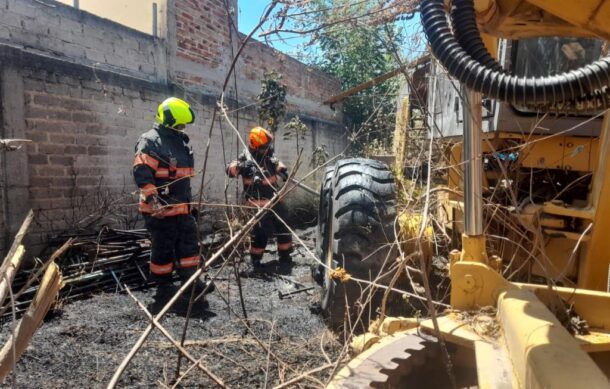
250	12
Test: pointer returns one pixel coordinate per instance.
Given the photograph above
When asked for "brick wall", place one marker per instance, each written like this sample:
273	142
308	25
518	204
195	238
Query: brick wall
204	54
307	86
202	31
84	120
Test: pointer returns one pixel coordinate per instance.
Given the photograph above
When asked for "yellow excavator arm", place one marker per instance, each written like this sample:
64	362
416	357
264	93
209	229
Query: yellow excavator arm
515	19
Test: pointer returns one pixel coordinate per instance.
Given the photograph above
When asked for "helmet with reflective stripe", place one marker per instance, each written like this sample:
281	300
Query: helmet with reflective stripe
174	112
259	138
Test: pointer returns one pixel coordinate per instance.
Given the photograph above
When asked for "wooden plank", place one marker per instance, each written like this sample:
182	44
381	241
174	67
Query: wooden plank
375	81
31	320
17	241
8	275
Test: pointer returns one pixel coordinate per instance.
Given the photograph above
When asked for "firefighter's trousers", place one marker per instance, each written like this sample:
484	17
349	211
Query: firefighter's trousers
268	226
174	245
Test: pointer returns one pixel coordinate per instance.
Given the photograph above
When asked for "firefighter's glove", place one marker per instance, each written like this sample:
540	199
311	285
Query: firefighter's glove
195	212
247	168
157	206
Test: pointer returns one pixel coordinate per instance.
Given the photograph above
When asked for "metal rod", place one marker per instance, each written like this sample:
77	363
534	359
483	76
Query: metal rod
282	295
76	4
305	187
473	164
154	20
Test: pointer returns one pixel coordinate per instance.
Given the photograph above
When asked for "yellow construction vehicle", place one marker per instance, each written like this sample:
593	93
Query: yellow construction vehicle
528	85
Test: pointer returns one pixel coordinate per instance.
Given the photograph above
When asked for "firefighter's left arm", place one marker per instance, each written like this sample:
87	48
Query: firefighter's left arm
233	168
144	167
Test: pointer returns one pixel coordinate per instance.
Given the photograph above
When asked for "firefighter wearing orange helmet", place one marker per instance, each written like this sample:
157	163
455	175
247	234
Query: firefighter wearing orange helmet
260	180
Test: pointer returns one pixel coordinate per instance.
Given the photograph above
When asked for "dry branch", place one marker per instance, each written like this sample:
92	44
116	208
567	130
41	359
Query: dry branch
19	340
155	322
304	376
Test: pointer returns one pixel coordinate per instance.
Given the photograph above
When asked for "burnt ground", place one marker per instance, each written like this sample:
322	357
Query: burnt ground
84	342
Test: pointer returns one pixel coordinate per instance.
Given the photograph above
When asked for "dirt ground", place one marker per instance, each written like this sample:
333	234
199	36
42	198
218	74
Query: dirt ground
82	345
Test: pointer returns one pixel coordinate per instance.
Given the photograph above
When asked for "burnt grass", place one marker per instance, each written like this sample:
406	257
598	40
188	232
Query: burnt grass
83	342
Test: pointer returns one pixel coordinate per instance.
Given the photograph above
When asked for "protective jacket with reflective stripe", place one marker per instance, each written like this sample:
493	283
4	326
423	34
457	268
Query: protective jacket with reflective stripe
163	166
258	185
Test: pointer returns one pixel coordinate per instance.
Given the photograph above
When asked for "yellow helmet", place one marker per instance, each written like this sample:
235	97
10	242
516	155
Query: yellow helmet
174	112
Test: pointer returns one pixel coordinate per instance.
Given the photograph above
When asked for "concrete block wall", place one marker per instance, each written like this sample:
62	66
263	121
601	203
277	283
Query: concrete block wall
84	118
83	124
57	30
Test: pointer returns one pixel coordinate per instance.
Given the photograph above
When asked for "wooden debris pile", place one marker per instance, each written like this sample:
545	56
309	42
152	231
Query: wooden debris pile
93	262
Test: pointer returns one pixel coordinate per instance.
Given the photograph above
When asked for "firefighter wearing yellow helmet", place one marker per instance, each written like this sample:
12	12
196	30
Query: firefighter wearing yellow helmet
162	170
260	170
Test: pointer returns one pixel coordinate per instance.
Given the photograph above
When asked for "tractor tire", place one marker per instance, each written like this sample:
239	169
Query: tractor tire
362	214
323	219
323	211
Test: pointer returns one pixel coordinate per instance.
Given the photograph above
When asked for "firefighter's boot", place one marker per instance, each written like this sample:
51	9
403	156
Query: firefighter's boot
285	258
201	284
255	260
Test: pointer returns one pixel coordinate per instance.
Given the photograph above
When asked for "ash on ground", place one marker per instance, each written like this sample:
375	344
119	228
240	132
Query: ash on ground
83	344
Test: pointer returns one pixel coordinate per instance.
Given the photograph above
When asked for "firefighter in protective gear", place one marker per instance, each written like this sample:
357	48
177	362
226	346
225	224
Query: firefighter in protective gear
260	186
162	170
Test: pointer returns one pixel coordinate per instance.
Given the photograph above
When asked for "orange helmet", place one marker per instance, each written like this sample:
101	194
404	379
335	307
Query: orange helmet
259	138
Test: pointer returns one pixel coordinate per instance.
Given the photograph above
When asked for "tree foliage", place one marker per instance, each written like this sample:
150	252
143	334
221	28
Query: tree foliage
348	47
272	101
297	130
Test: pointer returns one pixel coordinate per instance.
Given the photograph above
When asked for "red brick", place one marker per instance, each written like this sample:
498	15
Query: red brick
65	182
53	204
61	160
96	129
38	159
72	104
117	131
65	139
49	148
75	150
40	182
87	181
83	117
88	140
44	113
89	171
51	171
37	136
97	150
45	99
120	151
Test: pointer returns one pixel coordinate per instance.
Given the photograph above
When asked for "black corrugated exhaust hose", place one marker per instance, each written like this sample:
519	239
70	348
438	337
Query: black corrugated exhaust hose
466	31
582	89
